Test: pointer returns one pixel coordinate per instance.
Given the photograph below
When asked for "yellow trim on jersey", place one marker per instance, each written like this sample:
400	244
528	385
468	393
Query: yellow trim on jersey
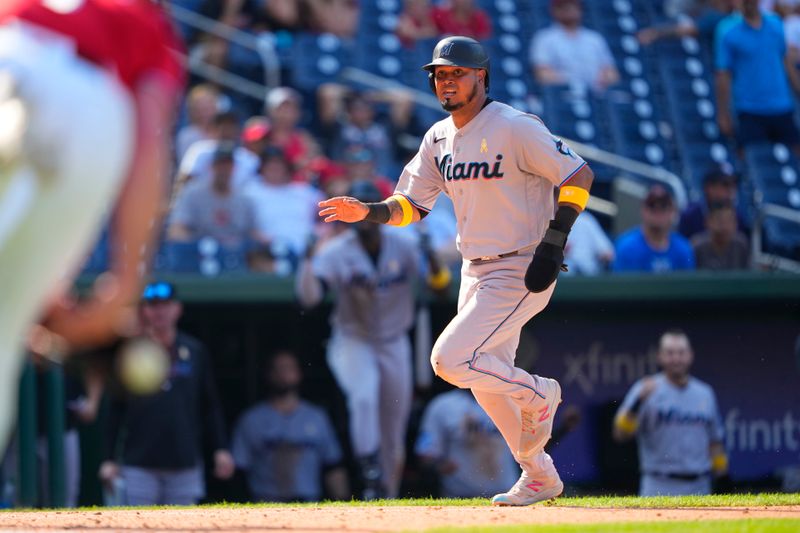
405	205
574	195
440	280
626	423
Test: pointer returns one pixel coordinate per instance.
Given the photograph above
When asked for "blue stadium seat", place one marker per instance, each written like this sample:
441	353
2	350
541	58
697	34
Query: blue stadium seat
775	175
204	257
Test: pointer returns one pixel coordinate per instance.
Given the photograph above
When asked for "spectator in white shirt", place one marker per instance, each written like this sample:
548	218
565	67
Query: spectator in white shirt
196	164
567	53
286	210
589	251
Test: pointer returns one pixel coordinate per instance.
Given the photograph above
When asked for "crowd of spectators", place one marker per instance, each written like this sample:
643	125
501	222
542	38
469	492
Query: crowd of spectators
250	176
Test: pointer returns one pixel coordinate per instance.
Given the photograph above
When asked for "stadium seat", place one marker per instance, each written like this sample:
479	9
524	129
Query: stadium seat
775	175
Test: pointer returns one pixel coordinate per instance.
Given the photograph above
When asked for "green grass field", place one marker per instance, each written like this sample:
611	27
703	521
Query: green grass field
717	526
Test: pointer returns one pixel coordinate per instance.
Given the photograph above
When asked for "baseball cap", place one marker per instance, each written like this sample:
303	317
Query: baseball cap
159	291
224	152
658	197
279	95
720	173
255	129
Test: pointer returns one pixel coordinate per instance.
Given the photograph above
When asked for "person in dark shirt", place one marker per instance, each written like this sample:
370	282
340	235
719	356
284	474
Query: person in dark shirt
721	246
719	187
154	441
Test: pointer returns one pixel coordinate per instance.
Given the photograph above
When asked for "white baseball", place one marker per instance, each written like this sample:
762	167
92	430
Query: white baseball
143	366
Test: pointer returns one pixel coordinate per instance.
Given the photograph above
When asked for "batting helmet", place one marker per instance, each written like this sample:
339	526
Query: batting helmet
458	51
365	191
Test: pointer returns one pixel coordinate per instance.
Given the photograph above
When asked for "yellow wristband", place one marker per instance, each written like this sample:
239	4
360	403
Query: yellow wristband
719	463
405	205
626	423
574	195
440	280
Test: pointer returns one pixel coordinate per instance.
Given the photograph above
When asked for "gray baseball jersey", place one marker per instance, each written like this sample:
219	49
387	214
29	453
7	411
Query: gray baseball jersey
455	428
284	453
373	302
676	426
499	169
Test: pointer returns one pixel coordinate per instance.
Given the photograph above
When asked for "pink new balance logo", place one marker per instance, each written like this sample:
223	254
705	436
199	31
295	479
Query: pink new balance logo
544	413
535	486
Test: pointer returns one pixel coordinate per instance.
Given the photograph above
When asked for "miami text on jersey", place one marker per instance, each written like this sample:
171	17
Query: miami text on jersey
466	171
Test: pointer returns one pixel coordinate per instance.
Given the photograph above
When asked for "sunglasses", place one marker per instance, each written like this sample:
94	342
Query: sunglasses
158	291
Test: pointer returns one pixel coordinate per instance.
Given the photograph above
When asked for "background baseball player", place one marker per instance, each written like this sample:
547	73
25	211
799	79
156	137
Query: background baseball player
87	90
676	421
499	166
372	272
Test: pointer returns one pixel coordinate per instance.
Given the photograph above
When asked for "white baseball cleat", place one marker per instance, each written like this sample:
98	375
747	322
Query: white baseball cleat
531	489
537	417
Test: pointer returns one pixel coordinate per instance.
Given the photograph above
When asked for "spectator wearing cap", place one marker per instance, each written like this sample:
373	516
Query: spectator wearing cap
462	17
719	187
359	164
753	66
255	134
215	209
154	443
653	246
285	210
568	53
196	164
358	124
721	246
283	106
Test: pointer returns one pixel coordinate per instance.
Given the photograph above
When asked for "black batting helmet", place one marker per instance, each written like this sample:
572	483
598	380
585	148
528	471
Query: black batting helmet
458	51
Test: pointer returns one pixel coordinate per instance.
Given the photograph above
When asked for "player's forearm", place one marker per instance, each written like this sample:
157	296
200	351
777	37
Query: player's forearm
625	426
137	216
394	211
308	287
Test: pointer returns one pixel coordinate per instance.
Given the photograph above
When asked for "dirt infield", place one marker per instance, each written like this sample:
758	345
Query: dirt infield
357	519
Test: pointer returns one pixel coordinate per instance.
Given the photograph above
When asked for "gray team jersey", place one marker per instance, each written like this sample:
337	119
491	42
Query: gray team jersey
229	219
284	453
457	429
676	426
371	302
499	170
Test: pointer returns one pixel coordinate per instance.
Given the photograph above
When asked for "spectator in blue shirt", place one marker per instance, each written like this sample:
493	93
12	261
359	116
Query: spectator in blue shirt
654	246
752	64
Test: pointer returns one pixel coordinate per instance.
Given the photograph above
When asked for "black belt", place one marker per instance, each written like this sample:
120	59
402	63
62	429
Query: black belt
682	476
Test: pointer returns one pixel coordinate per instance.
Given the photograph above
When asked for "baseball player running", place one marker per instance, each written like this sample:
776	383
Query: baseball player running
87	92
499	166
372	272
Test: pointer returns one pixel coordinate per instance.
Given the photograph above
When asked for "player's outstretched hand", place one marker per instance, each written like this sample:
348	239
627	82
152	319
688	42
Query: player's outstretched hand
344	209
547	262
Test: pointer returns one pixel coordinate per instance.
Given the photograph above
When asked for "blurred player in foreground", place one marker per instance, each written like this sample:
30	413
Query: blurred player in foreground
87	93
499	166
